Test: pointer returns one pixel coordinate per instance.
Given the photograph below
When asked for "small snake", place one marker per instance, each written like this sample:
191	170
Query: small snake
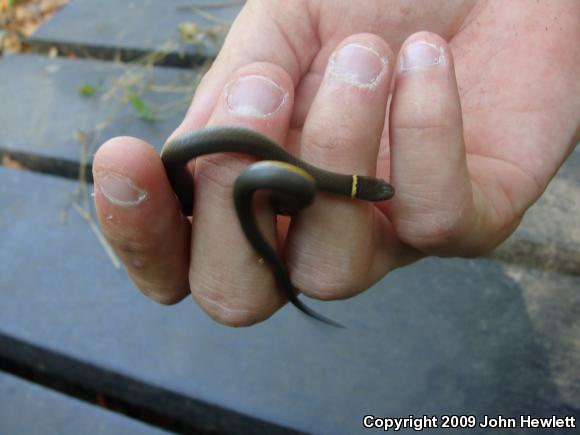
291	181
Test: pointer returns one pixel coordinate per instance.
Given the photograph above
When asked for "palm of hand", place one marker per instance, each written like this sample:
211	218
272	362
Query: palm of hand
518	116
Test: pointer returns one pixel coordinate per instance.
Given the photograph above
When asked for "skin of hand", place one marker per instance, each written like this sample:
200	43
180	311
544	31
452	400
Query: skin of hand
469	126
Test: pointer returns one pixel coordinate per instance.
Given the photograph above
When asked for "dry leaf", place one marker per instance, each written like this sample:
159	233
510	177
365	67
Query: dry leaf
20	18
9	162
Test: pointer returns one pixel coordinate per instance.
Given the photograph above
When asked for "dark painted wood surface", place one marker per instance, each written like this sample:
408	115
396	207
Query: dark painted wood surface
43	111
27	408
442	336
130	29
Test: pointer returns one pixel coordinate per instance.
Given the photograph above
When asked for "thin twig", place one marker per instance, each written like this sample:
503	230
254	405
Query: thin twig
97	231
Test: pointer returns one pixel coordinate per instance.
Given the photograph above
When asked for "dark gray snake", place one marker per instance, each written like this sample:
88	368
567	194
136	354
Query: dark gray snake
291	181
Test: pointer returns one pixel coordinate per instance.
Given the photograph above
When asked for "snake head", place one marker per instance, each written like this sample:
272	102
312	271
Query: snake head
373	189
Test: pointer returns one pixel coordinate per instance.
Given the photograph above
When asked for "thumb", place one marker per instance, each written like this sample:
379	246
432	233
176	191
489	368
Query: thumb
436	209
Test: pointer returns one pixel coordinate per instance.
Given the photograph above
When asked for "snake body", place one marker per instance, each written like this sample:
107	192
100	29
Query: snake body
292	181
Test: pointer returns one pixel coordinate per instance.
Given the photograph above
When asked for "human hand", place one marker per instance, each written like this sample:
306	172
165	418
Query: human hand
468	149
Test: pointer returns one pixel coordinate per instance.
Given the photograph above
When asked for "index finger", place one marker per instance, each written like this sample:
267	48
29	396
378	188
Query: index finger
257	21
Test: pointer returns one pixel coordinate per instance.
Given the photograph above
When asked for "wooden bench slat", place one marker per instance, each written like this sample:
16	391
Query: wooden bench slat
132	29
44	116
27	408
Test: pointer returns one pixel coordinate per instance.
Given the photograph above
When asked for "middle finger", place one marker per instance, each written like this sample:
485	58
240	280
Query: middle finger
332	245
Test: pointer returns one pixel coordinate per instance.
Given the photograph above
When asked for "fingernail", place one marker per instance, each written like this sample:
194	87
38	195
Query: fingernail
254	96
357	65
120	190
421	55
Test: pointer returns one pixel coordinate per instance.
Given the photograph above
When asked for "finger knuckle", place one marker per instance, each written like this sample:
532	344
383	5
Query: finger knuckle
433	230
134	246
330	141
225	306
221	171
432	119
158	293
229	313
163	298
327	281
